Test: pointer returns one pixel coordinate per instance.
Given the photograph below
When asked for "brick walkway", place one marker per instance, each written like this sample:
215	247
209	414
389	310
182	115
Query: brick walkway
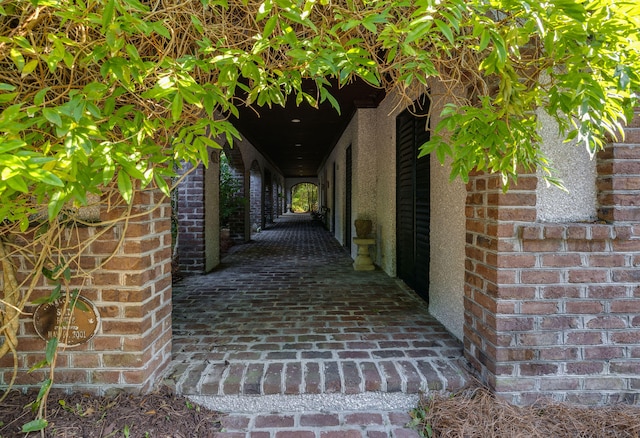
292	342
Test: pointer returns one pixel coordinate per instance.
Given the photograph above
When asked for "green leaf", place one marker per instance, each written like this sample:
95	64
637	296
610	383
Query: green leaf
55	294
125	186
40	95
52	116
445	29
176	107
55	205
485	38
161	30
269	26
29	67
52	347
77	304
162	184
95	90
17	58
49	178
18	183
10	145
197	24
24	224
43	363
44	389
35	425
418	31
7	97
108	13
326	95
264	9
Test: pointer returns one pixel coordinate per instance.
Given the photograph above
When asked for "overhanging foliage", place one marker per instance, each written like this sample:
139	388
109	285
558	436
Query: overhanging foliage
107	96
103	92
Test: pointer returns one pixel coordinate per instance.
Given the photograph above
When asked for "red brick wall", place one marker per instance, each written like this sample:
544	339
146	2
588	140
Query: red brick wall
553	310
132	293
191	233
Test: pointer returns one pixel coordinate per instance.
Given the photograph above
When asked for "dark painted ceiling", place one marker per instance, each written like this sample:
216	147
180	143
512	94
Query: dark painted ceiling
299	148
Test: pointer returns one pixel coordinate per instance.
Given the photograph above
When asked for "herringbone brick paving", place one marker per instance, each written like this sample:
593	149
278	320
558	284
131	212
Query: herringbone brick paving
286	314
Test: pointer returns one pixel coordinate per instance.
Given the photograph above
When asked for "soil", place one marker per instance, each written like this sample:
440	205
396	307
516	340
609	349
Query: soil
160	414
473	412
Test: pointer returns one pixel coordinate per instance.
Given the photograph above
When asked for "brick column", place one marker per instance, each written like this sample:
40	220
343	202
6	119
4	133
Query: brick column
491	221
132	293
191	231
619	178
551	309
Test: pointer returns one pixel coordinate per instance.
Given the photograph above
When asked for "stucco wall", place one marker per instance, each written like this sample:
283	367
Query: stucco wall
577	170
448	234
364	159
384	126
338	156
372	134
446	270
211	212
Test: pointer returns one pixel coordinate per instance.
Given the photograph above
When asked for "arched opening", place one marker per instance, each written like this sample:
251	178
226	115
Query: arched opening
233	199
304	198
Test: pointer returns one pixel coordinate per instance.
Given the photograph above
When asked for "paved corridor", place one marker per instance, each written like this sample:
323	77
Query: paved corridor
289	340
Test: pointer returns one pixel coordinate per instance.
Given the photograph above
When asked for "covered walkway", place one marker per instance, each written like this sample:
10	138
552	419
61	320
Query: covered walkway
285	317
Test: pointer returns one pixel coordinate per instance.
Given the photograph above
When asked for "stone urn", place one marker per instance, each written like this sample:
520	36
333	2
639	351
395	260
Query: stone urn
363	228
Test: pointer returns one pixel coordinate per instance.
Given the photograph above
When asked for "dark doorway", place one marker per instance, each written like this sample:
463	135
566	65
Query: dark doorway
347	197
333	198
413	198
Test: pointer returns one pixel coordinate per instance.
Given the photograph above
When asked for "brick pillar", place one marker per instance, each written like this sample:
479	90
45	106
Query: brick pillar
132	293
237	220
551	309
491	218
619	178
191	227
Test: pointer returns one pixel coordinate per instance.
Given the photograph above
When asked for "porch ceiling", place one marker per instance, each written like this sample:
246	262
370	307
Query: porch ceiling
299	148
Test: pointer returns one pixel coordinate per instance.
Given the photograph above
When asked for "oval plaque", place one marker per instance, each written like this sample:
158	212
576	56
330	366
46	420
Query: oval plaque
79	324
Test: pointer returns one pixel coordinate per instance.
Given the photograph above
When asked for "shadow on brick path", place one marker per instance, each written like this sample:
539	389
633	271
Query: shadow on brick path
286	315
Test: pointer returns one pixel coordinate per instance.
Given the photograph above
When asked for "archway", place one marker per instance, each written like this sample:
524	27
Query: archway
304	198
233	171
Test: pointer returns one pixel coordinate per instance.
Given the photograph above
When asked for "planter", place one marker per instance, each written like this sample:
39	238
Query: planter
363	228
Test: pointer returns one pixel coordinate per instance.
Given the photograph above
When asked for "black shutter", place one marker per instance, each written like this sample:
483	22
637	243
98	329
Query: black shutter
413	199
347	206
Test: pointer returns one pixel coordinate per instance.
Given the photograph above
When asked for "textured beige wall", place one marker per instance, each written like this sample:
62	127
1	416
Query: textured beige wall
384	126
448	232
446	271
571	163
372	134
338	156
